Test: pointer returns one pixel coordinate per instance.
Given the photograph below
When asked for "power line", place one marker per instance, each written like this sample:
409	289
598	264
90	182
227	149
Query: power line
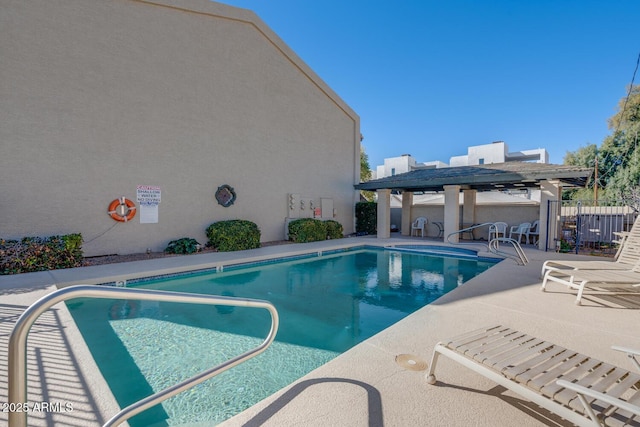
616	130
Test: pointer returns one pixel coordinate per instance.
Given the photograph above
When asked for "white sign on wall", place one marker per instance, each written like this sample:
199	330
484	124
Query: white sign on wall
148	194
149	197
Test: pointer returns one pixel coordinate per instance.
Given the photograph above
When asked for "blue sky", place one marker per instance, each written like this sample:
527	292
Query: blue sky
430	78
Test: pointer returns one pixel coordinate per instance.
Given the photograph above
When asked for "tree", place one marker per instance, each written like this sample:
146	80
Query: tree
582	157
365	170
365	174
617	160
620	166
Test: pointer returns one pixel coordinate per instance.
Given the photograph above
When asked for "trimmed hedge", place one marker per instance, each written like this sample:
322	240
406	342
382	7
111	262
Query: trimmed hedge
233	235
334	229
305	230
367	217
40	253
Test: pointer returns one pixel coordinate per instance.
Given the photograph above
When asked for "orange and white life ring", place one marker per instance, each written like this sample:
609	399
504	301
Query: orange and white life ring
122	209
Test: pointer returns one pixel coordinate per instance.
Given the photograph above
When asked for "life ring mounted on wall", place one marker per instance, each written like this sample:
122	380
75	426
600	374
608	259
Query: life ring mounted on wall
122	209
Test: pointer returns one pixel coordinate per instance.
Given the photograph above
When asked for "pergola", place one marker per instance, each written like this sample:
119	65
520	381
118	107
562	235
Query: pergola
471	179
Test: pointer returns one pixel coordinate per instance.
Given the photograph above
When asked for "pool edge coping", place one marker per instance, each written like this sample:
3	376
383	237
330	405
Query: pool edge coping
118	272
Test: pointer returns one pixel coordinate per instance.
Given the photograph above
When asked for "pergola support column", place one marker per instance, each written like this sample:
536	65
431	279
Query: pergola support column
549	191
384	213
451	212
469	207
407	202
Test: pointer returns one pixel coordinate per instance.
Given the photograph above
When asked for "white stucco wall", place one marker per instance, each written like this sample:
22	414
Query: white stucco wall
459	161
511	214
489	153
398	165
97	97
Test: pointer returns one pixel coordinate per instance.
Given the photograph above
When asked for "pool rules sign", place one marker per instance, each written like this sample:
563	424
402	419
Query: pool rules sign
148	201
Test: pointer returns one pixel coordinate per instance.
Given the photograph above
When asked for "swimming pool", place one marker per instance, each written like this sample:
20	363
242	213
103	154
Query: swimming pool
326	304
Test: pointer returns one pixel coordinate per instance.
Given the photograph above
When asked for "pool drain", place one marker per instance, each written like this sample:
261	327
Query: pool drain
411	362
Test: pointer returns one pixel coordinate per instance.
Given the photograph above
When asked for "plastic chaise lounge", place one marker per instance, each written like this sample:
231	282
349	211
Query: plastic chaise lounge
627	256
581	279
578	388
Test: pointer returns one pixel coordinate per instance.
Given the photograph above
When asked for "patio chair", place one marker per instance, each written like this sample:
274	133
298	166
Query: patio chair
420	224
520	230
627	256
578	388
534	232
440	226
581	279
497	229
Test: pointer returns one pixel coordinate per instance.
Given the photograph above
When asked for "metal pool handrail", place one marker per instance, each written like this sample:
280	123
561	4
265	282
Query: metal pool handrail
468	229
18	341
520	257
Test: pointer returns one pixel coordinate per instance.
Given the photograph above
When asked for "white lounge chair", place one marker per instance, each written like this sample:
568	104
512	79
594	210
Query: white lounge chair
420	224
621	238
578	388
581	279
627	256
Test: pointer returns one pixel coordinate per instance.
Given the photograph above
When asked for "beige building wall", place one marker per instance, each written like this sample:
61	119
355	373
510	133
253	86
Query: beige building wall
98	97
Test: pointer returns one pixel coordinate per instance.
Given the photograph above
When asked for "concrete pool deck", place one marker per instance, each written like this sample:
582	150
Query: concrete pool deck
364	386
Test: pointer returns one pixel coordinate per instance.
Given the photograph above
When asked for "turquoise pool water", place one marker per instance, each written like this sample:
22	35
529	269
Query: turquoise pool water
326	305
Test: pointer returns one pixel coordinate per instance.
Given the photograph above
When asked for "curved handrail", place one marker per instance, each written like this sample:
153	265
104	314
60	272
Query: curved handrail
520	257
17	374
493	245
464	230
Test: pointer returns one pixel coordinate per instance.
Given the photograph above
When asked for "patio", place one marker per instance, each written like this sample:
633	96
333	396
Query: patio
364	386
460	186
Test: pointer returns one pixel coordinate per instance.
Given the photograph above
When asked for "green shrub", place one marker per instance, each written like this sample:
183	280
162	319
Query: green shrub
305	230
186	245
72	242
233	235
40	253
334	229
366	217
565	247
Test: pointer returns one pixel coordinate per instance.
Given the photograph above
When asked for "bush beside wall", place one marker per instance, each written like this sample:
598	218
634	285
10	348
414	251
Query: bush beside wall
40	254
233	235
305	230
367	217
186	245
334	229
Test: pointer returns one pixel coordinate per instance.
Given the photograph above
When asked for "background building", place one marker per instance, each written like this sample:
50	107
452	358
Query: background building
496	152
104	99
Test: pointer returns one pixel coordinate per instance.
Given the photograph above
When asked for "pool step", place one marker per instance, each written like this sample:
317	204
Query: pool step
436	250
